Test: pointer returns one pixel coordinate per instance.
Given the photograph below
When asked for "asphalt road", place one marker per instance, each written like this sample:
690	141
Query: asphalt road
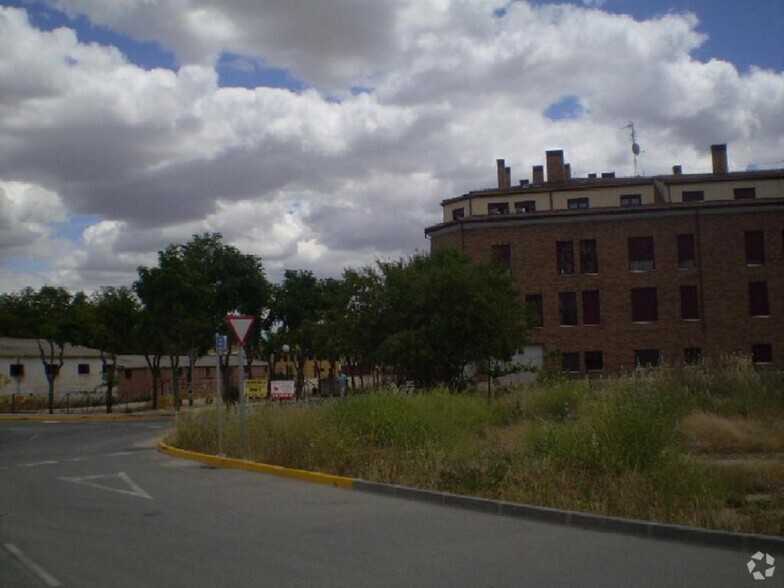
94	505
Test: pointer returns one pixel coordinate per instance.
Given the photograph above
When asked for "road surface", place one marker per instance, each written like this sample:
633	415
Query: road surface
94	505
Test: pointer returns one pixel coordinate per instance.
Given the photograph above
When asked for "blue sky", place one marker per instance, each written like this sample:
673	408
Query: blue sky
289	126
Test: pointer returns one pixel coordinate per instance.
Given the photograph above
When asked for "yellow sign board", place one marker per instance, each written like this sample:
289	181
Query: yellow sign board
256	389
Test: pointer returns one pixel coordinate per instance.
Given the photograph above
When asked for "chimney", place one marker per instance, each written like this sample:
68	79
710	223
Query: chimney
608	174
507	177
524	182
568	171
719	155
501	172
538	174
591	176
677	170
555	166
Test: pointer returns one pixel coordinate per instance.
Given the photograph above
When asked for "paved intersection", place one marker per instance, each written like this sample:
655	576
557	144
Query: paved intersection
93	504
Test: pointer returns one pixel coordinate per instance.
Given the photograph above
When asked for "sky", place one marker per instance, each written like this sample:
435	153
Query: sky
323	135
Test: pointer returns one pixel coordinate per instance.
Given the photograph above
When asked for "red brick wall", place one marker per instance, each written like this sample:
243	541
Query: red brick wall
721	276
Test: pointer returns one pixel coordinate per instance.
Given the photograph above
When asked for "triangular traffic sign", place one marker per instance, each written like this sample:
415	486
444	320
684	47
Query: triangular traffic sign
240	325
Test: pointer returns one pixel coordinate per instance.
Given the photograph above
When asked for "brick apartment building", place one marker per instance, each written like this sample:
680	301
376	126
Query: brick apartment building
636	271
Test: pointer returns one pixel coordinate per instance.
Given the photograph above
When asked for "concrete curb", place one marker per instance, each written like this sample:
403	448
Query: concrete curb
80	418
696	535
252	466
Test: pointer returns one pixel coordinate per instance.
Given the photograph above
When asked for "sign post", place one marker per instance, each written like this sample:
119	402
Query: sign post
221	344
241	325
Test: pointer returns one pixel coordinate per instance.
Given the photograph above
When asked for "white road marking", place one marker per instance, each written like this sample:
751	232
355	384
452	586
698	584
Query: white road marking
135	489
74	459
42	574
119	453
37	463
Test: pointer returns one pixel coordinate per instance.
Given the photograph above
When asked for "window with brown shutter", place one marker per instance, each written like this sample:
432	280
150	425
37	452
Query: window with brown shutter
641	257
755	248
567	308
758	299
690	306
591	314
686	252
589	260
564	253
645	306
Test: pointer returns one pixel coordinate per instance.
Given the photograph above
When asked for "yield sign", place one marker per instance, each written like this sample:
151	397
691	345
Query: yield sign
240	325
120	483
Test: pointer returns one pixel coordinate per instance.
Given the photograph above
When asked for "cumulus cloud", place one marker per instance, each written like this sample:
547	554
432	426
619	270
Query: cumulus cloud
327	177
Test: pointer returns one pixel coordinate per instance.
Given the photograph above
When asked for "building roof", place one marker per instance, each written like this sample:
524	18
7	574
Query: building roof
28	348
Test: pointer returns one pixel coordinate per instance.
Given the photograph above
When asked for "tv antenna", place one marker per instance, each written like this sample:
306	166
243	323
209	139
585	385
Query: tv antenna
635	146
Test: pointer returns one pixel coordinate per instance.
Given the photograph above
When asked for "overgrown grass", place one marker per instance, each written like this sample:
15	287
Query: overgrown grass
643	446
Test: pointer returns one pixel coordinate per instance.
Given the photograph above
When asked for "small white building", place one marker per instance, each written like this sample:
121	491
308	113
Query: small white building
23	373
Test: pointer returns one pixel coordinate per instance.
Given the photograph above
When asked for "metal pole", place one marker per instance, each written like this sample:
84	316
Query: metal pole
219	399
243	415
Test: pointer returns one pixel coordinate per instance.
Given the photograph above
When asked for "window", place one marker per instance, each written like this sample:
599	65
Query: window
631	199
591	314
690	306
755	248
83	369
594	362
16	370
207	372
589	262
646	357
686	252
577	203
693	196
762	353
179	372
645	308
128	374
641	254
535	314
502	256
692	355
52	369
570	361
758	299
458	213
745	193
498	208
567	308
564	252
525	206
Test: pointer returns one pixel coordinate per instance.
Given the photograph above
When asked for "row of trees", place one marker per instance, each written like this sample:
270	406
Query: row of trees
424	318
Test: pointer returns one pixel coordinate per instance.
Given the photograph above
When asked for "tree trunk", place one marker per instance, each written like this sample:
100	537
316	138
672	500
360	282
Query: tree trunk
174	361
154	363
51	372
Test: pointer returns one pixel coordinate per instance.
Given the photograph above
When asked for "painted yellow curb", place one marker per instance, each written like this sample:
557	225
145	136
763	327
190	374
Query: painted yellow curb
253	466
78	418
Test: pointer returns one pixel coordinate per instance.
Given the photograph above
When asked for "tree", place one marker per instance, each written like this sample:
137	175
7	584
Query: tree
442	311
193	288
113	324
47	316
297	308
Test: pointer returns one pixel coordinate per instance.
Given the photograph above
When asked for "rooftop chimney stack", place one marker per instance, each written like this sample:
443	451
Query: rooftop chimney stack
677	170
719	156
538	174
501	172
568	171
555	166
507	177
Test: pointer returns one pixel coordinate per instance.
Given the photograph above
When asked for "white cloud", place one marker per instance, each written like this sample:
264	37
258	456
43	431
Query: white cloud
308	181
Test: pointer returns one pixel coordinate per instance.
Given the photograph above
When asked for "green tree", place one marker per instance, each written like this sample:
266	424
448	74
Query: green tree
48	316
113	328
442	311
190	292
297	310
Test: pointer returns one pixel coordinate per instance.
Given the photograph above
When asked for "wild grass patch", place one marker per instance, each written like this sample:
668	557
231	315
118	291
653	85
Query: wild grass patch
697	447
